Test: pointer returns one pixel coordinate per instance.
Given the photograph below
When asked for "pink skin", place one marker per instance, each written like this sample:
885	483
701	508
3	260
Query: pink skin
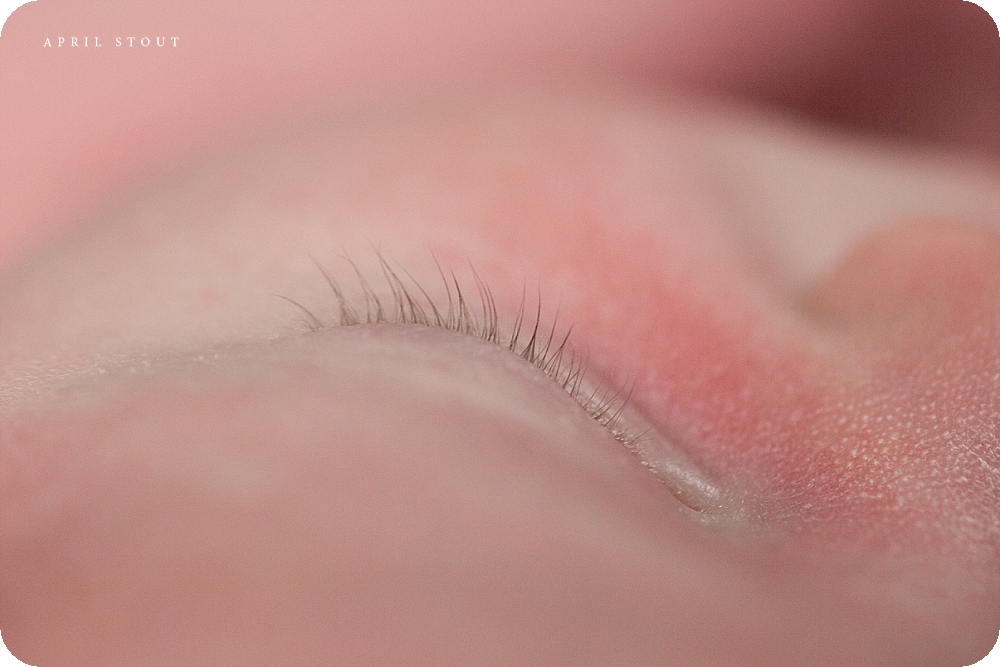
404	496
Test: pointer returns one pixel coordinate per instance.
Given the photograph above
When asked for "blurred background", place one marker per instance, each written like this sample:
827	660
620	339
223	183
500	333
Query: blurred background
80	124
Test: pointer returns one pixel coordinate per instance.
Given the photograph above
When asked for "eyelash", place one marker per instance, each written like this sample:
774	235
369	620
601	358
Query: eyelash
413	305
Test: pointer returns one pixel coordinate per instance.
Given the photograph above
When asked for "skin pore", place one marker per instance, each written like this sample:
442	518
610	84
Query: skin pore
805	319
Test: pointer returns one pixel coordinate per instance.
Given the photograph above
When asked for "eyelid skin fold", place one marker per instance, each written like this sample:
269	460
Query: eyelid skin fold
439	367
545	346
863	477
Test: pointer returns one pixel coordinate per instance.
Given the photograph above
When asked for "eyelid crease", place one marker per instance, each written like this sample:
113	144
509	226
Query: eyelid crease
412	304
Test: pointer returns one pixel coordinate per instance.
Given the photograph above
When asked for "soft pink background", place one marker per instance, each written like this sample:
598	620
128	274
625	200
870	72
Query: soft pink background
79	125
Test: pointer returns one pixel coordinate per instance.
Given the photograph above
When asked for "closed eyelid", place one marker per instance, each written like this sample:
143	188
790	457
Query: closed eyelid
540	340
805	394
602	205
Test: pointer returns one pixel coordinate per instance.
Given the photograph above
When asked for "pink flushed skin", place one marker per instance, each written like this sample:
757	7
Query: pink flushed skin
859	424
858	417
921	303
60	162
766	392
746	380
826	419
830	417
